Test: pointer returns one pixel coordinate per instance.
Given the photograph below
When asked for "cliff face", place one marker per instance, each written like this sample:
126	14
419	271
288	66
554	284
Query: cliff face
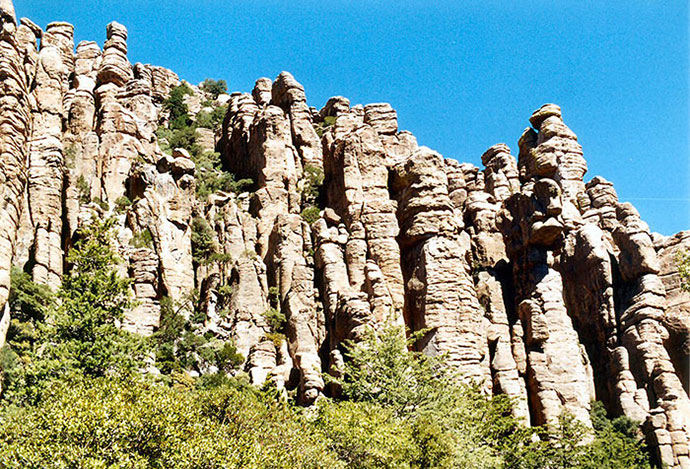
530	281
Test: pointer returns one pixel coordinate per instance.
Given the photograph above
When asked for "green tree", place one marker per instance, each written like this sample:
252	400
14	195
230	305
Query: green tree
453	425
82	335
176	106
203	240
29	303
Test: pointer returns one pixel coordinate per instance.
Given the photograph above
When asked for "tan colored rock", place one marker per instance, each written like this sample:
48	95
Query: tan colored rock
501	174
358	191
558	370
306	329
88	59
115	68
206	139
677	315
144	318
289	95
554	153
262	91
15	125
382	117
61	35
334	107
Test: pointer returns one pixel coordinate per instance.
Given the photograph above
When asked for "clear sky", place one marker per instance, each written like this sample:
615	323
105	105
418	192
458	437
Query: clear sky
463	75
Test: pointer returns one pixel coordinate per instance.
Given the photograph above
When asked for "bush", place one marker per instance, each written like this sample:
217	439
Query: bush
211	178
214	87
180	346
311	187
81	334
142	239
29	303
122	204
83	190
275	319
203	240
457	426
134	424
312	184
322	127
211	120
185	137
311	214
177	108
365	435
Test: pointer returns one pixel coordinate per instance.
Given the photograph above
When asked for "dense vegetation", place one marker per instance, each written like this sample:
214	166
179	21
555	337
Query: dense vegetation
74	396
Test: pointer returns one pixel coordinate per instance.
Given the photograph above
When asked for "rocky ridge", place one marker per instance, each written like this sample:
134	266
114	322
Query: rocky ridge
529	280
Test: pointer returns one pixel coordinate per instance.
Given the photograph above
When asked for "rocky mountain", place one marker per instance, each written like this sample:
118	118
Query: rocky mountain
529	280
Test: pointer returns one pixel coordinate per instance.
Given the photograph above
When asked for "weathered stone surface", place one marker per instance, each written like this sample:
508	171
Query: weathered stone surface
289	95
262	91
115	68
294	276
557	368
382	117
15	125
61	36
677	315
334	107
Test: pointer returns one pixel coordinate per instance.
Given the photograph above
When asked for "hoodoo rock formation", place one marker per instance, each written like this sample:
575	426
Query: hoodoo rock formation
529	280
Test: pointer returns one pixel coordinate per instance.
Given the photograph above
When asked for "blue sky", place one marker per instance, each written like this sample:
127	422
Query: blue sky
463	75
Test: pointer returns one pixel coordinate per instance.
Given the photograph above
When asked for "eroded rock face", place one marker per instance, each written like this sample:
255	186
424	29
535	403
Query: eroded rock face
677	317
530	281
440	293
15	130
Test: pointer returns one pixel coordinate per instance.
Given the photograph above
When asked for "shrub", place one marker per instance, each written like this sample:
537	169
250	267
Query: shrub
311	214
211	178
218	258
29	303
275	319
184	138
214	87
122	204
142	239
322	127
177	108
457	426
276	337
203	119
83	190
312	184
203	240
365	435
70	154
134	424
211	120
81	335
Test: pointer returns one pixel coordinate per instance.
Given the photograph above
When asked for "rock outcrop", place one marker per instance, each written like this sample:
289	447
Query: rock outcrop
527	279
15	131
